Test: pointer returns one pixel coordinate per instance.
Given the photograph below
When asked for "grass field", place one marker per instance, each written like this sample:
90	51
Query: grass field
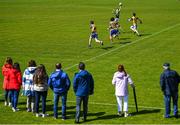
51	31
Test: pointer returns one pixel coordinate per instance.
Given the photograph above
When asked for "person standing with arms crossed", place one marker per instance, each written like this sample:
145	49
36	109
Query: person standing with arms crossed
169	81
83	85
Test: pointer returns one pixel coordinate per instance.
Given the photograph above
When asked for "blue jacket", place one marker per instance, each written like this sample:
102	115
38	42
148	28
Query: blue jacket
169	82
83	83
59	82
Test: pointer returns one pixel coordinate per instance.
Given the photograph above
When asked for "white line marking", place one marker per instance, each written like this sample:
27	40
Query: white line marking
138	40
108	104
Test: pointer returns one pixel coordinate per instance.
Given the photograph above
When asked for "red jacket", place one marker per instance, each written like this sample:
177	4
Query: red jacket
15	79
5	70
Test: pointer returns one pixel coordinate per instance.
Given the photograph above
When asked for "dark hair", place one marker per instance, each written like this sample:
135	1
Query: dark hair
40	74
134	14
81	66
16	66
58	66
31	63
112	19
121	69
91	22
9	60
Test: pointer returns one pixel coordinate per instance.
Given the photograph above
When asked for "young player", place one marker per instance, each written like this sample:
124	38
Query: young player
113	29
134	20
93	34
116	12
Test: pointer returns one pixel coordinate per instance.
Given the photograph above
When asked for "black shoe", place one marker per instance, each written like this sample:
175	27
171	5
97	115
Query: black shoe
102	43
76	122
176	116
63	118
84	119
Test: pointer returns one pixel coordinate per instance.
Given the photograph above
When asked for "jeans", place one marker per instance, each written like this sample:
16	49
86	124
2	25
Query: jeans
14	98
38	95
31	103
7	95
167	100
56	100
79	100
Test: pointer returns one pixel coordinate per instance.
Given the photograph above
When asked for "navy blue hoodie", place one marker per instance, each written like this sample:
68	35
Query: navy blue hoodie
169	82
83	83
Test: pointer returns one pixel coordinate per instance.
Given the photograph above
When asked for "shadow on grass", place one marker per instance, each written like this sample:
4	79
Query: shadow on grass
124	42
69	113
2	100
101	116
124	38
107	47
146	112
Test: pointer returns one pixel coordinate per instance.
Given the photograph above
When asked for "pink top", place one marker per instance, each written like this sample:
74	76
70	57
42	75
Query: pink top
120	81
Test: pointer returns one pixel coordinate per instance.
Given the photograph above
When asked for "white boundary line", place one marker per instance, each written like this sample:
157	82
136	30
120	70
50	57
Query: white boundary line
133	42
109	104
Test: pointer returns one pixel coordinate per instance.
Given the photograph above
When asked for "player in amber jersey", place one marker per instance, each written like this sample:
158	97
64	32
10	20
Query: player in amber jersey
135	20
93	34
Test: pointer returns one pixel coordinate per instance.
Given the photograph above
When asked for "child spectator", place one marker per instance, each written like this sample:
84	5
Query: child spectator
28	87
15	82
6	67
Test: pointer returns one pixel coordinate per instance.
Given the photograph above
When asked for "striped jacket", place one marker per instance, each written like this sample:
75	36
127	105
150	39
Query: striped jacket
28	87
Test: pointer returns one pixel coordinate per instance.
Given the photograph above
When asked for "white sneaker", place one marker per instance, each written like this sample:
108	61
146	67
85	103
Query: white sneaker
38	115
126	114
120	113
5	103
9	104
102	43
45	115
14	110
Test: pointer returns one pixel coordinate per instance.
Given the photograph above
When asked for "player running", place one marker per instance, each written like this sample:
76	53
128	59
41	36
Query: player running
134	20
93	34
113	29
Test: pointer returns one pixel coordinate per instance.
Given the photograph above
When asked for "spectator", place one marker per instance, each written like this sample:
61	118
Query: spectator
15	82
83	85
6	67
28	87
169	81
120	81
40	81
59	82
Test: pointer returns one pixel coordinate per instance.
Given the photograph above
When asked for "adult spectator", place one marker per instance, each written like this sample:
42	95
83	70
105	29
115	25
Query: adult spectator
83	85
169	81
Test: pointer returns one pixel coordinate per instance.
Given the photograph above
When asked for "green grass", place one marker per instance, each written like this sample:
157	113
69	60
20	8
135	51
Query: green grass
51	31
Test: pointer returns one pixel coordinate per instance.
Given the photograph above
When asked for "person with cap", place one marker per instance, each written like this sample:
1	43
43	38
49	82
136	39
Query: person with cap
59	82
169	81
83	85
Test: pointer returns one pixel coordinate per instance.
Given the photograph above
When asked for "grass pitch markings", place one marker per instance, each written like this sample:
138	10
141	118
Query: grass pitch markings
133	42
109	104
